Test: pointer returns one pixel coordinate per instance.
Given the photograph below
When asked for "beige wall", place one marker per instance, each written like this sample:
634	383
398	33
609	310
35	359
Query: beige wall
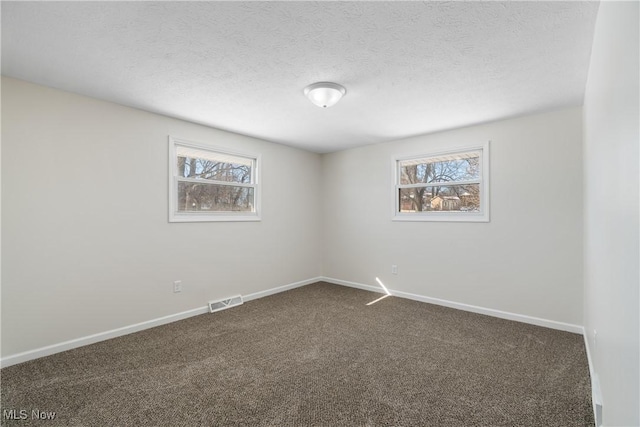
611	232
86	242
526	260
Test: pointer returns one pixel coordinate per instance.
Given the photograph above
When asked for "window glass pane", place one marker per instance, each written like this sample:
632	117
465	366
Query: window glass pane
214	169
449	198
193	197
453	167
215	156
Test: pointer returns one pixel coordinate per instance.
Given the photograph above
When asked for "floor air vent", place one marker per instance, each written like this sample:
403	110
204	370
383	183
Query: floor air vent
225	303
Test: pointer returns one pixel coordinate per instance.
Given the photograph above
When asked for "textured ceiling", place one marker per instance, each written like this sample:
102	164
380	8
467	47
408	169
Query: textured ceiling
409	67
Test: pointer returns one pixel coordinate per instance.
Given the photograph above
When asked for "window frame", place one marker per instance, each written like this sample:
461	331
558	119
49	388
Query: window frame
205	216
447	216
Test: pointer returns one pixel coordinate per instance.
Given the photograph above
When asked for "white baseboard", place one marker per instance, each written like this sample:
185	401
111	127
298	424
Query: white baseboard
568	327
596	393
353	284
114	333
102	336
279	289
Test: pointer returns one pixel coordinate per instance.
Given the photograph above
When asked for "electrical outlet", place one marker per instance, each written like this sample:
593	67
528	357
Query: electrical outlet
394	269
177	286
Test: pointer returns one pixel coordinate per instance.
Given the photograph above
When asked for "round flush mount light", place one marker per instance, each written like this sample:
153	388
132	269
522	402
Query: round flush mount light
324	94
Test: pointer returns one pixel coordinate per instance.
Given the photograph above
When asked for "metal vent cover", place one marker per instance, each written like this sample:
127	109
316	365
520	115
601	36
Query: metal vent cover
225	303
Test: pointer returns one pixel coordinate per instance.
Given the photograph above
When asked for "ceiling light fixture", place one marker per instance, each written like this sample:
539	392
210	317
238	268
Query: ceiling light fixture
324	94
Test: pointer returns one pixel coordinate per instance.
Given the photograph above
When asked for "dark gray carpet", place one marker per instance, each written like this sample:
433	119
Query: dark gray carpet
316	355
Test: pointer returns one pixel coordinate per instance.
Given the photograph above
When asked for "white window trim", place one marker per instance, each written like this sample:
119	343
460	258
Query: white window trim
176	216
482	216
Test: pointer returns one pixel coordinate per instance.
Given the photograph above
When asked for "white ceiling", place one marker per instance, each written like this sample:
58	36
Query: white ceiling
409	67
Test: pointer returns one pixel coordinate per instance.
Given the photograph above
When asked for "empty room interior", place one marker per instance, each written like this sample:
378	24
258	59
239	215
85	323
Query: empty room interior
320	213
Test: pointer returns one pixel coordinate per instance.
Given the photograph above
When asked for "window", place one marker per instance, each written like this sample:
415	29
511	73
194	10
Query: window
207	184
451	186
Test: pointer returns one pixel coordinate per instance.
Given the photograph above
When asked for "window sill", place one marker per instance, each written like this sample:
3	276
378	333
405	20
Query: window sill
437	217
207	217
